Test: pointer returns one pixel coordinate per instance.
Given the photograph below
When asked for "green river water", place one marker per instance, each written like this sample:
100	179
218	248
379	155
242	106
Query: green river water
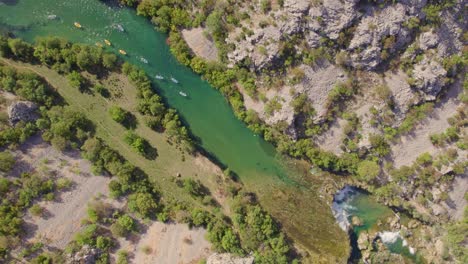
304	215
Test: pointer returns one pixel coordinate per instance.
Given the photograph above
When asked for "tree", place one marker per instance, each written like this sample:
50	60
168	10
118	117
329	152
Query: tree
214	22
127	222
142	203
368	170
75	80
109	60
379	145
118	114
7	160
21	49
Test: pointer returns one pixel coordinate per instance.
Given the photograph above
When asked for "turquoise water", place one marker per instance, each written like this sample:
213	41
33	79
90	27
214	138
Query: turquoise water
371	213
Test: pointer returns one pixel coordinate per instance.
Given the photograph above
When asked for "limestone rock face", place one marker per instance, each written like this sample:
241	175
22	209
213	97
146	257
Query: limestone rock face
22	111
402	94
428	40
373	30
430	77
226	258
332	17
317	84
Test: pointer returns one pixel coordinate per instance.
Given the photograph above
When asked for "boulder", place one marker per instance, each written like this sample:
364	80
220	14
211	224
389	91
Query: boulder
363	240
428	40
22	111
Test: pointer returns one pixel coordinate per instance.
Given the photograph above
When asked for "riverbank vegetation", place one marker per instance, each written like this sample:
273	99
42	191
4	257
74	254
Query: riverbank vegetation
70	123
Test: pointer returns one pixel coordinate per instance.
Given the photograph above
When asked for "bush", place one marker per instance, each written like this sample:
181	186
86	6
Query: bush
143	204
118	114
368	170
7	161
36	210
123	226
76	80
140	145
379	145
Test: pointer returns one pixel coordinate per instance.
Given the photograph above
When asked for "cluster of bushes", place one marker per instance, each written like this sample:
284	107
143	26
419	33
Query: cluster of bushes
59	54
64	127
27	85
30	87
252	230
104	226
453	134
456	237
19	195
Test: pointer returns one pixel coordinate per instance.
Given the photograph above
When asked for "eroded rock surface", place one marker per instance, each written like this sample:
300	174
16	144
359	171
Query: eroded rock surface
22	111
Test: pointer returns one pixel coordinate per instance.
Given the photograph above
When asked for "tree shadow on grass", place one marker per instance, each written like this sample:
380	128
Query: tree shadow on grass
151	152
130	121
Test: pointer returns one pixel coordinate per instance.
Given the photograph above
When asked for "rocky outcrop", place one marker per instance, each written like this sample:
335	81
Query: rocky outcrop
332	17
429	77
86	255
317	84
200	44
226	258
22	111
402	94
382	29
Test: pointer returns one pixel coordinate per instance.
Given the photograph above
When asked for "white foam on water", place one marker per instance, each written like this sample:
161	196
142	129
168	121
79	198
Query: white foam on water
341	208
388	237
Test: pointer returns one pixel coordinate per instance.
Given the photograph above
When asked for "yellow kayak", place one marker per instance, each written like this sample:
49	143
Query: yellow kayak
108	43
122	52
99	44
78	25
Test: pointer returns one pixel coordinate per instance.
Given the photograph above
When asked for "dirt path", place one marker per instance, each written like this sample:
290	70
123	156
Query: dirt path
417	142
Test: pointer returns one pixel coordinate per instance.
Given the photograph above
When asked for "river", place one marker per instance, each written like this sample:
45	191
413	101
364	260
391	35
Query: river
302	210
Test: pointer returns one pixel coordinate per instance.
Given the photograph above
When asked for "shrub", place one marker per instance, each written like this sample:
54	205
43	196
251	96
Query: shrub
142	203
379	145
7	161
368	170
76	80
36	210
118	114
